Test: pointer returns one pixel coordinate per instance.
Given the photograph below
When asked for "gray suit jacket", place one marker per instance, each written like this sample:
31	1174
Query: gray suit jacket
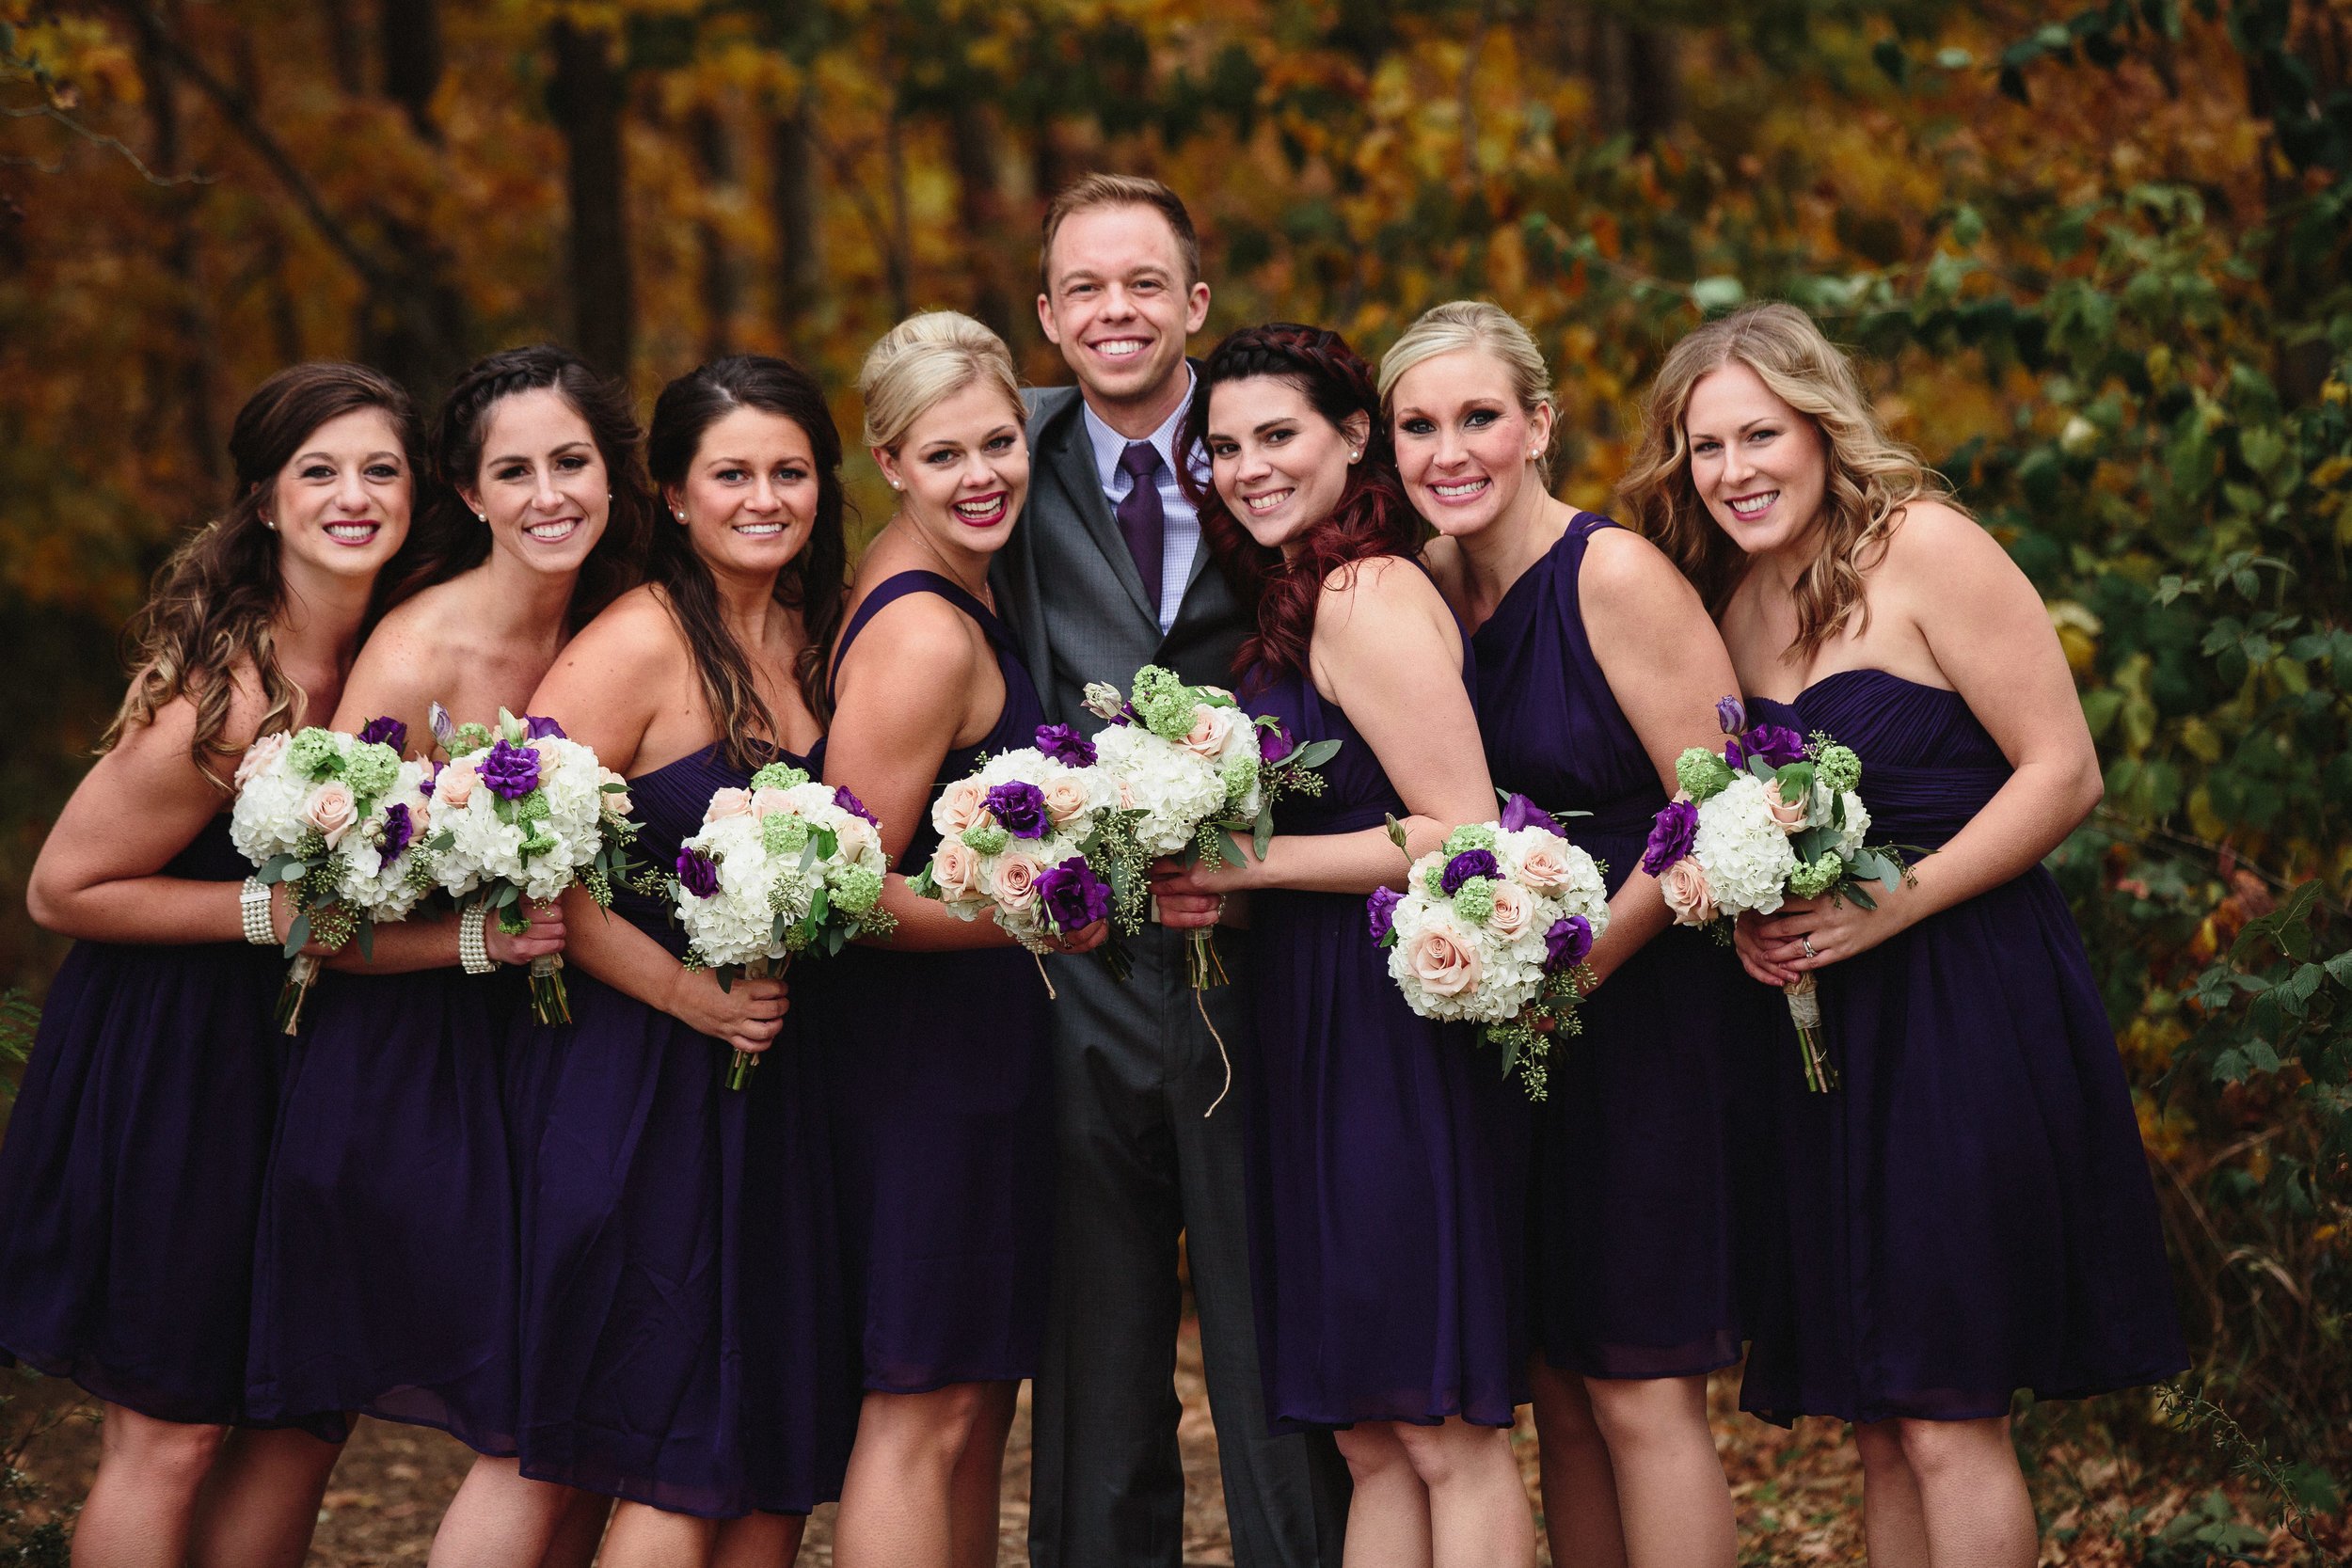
1068	586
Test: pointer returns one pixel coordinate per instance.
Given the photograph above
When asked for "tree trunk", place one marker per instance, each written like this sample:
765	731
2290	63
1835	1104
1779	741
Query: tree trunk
898	258
799	243
715	150
409	42
345	46
586	100
980	211
184	372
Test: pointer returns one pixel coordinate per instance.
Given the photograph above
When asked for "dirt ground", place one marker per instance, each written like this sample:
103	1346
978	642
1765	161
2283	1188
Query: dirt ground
1799	1494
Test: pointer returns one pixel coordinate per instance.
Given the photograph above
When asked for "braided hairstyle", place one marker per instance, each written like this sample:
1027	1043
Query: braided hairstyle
451	540
1372	516
814	582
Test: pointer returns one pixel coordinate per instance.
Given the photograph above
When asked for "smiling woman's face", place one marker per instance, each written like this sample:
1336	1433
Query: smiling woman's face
541	484
1759	465
1278	465
964	468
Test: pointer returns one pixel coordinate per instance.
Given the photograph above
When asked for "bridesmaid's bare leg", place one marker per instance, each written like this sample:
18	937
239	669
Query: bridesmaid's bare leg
1478	1514
500	1517
1971	1493
141	1509
897	1497
976	1506
759	1541
1894	1524
1672	1498
1580	1489
644	1537
260	1504
579	1532
1388	1513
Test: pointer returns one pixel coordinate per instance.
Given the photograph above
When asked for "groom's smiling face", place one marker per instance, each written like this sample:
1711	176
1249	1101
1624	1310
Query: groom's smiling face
1120	302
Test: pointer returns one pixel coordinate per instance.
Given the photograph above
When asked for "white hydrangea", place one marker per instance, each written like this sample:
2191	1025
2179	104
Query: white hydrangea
280	811
1857	825
367	881
486	848
1744	851
764	896
1174	788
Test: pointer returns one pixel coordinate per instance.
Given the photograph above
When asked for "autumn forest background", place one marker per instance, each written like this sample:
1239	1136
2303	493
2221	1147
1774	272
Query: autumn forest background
2097	260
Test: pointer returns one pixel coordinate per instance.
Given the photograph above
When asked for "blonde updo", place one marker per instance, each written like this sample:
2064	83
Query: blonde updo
924	359
1473	323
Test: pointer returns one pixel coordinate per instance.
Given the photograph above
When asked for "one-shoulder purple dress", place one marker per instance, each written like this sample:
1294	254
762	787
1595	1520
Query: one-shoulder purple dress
1386	1154
384	1276
1637	1199
1970	1214
131	1175
943	1110
685	1341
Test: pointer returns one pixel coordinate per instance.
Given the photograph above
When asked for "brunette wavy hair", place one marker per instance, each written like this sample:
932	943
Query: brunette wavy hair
1870	478
814	582
1372	516
450	539
215	601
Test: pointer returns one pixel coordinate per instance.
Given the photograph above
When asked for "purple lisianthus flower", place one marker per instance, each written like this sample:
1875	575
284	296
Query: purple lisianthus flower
697	873
510	771
1274	744
1380	912
1073	896
1566	944
1732	714
398	830
850	804
1019	808
1065	745
1519	811
1671	835
1777	744
536	727
386	731
1468	863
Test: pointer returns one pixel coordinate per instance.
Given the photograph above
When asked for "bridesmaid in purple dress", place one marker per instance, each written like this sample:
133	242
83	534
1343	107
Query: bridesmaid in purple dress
1596	666
384	1275
1386	1152
1970	1214
132	1172
942	1088
683	1343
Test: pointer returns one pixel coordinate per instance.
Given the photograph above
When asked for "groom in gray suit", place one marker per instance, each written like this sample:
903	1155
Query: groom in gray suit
1105	573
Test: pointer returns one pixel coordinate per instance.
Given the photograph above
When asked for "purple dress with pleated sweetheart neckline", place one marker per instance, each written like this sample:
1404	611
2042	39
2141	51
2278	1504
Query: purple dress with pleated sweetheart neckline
1970	1213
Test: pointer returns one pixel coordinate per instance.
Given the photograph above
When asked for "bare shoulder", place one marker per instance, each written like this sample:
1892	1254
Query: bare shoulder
1379	599
1932	537
1618	561
411	647
919	636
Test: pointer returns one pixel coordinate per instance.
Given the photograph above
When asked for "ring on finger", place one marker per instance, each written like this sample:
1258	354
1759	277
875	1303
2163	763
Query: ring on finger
1807	942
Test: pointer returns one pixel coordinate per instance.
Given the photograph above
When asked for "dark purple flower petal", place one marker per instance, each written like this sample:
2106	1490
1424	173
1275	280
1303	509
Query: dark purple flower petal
398	830
1468	863
1019	808
536	728
386	731
1777	744
1274	744
1380	912
1732	714
1065	745
697	873
850	804
1566	944
1073	896
510	771
1670	836
1519	811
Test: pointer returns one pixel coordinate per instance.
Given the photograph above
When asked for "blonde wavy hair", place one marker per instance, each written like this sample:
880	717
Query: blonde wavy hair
1871	477
1473	323
925	358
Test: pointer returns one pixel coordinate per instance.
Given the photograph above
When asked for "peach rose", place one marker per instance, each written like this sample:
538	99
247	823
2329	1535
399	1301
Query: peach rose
1015	876
960	806
1514	912
1127	801
1441	960
726	803
1212	730
1687	892
455	788
618	801
1789	814
1545	866
857	835
331	810
956	869
1065	797
768	802
262	754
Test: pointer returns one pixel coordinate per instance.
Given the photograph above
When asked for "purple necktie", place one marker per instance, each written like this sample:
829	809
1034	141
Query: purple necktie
1141	519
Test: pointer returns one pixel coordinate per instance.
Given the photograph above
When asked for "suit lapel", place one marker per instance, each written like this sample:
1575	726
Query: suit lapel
1070	460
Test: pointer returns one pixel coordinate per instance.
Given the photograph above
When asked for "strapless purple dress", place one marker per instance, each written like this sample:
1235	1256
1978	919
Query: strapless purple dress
1971	1212
684	1339
1386	1154
1638	1208
384	1264
943	1111
131	1177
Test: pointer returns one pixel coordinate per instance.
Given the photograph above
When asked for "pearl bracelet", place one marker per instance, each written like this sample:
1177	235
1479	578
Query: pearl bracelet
473	952
253	910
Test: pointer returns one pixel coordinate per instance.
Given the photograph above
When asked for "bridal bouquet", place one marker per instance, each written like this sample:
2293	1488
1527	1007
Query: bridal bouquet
337	818
1772	814
1193	772
1493	928
784	867
522	812
1027	839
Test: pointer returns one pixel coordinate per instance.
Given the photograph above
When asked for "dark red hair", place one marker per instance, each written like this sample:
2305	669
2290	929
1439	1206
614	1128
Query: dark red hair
1371	517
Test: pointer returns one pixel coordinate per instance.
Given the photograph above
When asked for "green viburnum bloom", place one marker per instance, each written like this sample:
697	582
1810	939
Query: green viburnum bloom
1471	835
1474	900
467	738
1241	777
1434	880
783	834
534	807
1813	877
1164	703
1838	767
538	841
313	755
1701	773
855	890
779	775
986	839
371	769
